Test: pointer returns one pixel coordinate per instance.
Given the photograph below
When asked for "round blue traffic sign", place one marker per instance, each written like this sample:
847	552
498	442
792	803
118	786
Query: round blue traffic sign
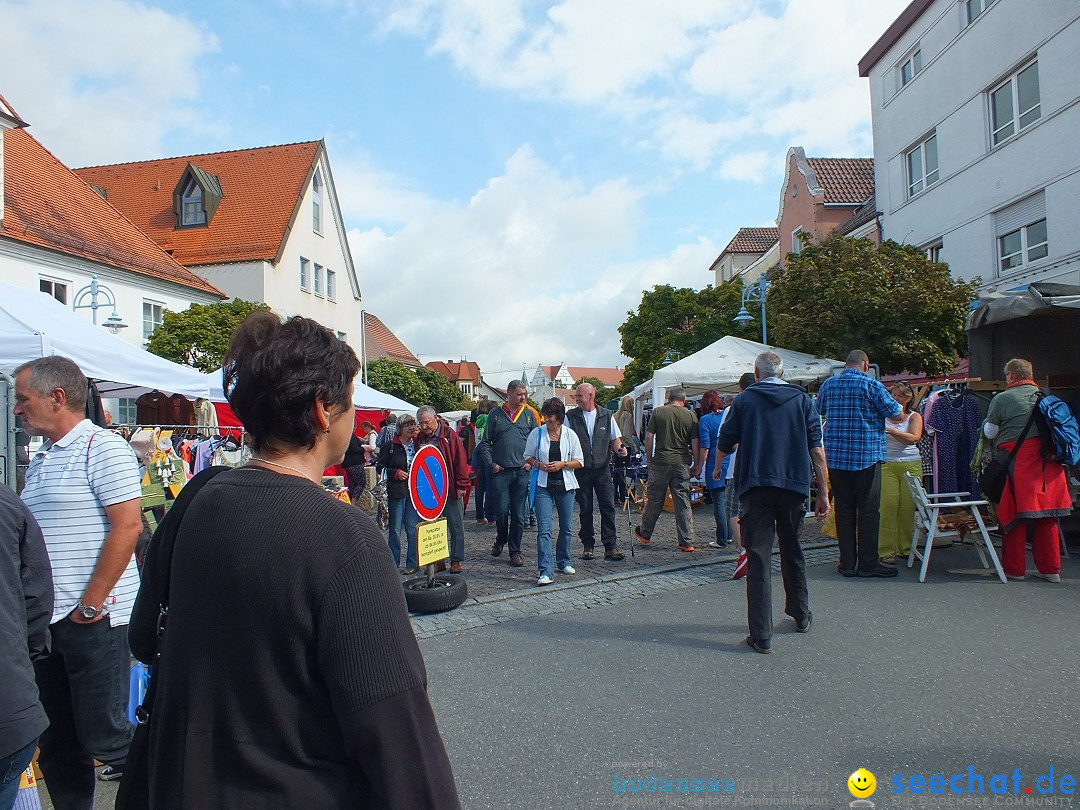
429	485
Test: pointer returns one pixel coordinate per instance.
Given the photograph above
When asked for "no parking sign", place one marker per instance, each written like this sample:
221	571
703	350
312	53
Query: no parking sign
429	484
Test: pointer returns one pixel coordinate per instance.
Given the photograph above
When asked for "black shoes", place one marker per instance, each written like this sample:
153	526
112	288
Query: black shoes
110	773
879	570
805	626
496	550
763	646
845	572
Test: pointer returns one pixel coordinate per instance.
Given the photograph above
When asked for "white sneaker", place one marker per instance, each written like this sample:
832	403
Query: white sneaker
544	580
568	569
1048	577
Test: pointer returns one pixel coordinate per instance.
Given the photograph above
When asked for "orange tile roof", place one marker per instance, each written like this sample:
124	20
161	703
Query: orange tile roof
46	204
847	181
464	370
261	189
608	376
753	240
379	341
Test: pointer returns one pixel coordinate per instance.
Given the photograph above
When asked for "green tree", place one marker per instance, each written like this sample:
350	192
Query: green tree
200	334
397	379
891	301
678	320
443	394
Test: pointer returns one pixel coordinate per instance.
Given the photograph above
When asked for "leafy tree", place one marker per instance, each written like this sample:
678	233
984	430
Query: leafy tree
200	334
905	311
442	394
397	379
679	320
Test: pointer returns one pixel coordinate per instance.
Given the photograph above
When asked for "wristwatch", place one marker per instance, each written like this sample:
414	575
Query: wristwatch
88	612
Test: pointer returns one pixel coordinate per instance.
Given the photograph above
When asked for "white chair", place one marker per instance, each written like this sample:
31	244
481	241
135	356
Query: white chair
927	510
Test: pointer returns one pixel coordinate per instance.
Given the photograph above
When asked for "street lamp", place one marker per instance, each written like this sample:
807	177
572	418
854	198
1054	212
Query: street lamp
114	323
670	357
754	292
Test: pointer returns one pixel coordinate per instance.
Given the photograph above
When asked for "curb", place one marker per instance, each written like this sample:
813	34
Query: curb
619	577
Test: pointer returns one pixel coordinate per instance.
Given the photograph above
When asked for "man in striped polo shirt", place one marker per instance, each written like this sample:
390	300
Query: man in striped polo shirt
83	488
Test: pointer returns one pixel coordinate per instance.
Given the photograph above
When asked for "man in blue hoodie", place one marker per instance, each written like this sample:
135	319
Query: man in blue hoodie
778	432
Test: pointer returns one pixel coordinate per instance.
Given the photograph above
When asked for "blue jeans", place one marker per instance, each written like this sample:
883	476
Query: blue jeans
723	526
402	515
84	689
11	768
485	504
564	502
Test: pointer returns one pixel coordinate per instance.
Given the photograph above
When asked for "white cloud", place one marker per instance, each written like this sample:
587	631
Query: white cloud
527	269
101	80
753	167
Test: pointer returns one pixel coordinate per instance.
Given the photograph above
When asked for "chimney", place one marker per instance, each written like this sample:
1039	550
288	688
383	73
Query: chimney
9	119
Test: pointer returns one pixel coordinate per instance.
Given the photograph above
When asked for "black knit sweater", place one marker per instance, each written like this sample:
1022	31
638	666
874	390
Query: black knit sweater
290	675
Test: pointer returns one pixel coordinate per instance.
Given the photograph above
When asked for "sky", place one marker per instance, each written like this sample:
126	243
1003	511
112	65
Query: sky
512	174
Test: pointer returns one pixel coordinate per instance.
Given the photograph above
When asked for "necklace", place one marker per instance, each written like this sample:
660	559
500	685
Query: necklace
284	466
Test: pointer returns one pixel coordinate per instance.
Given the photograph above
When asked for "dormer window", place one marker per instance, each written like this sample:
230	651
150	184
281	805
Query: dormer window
191	202
317	201
196	197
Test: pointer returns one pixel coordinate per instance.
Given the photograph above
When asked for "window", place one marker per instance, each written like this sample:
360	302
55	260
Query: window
933	252
343	336
316	201
153	316
331	284
796	242
911	67
922	166
975	8
318	280
305	274
1014	104
126	410
191	202
57	289
1021	233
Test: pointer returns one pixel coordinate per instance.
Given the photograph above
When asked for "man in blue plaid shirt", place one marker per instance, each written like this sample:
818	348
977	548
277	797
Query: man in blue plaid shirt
855	406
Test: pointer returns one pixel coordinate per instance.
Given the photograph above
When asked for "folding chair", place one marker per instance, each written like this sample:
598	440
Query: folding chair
928	509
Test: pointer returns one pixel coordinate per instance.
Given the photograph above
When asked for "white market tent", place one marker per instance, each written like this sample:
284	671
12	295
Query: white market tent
719	366
364	396
33	324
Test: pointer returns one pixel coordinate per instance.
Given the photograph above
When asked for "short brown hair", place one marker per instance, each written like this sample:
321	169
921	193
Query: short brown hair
554	407
1020	368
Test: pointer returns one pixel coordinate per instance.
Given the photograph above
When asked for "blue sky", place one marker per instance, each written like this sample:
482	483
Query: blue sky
512	173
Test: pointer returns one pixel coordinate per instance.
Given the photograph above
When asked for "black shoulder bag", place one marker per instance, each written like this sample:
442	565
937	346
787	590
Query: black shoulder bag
134	790
992	480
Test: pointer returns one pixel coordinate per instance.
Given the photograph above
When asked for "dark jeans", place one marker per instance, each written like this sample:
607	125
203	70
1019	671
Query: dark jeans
768	513
11	769
455	528
84	689
484	497
511	491
595	485
857	494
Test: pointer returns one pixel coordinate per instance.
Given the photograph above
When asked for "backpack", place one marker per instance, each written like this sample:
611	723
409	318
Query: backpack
1061	434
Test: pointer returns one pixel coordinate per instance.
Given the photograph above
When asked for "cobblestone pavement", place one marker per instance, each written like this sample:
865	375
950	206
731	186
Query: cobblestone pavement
499	592
489	575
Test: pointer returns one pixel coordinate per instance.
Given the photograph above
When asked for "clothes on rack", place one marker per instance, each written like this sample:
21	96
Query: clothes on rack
955	420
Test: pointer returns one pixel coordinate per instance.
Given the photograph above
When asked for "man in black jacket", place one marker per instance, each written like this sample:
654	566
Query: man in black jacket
26	602
778	432
600	437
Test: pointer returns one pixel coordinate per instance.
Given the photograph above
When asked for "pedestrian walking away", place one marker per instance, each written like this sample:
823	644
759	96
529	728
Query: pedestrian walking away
855	408
83	488
778	432
708	427
671	444
600	437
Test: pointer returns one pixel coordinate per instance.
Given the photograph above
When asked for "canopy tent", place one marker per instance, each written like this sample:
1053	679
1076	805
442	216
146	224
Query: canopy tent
33	325
719	366
365	397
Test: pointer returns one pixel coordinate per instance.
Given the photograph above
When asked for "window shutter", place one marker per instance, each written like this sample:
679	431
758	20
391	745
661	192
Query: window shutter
1020	214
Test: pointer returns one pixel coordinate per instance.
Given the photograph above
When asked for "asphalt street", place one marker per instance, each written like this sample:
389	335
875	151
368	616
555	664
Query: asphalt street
897	676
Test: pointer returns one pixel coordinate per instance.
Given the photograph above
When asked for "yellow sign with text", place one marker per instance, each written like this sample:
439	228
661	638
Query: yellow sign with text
432	542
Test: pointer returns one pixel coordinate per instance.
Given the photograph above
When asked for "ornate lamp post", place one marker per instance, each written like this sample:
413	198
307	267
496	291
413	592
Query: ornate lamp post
754	292
114	323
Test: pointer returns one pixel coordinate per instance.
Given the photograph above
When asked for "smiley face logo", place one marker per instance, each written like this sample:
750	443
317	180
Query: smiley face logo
862	784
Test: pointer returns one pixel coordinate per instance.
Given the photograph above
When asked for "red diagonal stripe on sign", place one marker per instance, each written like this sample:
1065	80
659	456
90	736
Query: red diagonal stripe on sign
431	481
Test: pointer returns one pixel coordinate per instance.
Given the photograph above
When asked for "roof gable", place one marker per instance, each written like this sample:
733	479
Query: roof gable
379	341
48	205
261	192
836	181
752	240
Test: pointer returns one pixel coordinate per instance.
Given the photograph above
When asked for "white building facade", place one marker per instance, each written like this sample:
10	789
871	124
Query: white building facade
975	118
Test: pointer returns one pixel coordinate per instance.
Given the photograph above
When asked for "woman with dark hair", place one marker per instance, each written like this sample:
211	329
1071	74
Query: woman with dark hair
288	674
556	453
712	414
395	457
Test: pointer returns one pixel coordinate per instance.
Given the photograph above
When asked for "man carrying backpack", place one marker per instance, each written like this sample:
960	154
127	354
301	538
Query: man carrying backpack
1036	493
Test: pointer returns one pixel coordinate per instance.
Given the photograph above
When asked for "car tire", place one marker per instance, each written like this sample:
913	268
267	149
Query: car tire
447	592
